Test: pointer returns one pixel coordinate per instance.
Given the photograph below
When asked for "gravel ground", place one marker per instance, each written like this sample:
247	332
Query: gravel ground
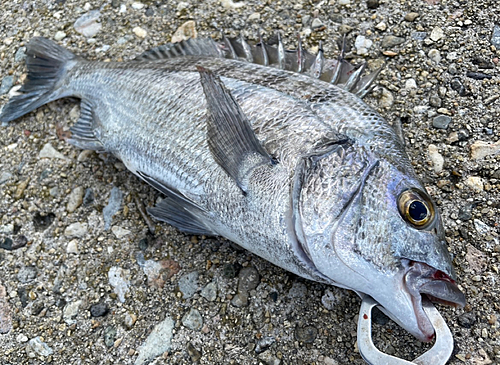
83	281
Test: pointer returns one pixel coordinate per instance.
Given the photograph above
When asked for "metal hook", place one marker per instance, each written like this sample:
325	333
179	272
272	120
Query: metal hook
437	355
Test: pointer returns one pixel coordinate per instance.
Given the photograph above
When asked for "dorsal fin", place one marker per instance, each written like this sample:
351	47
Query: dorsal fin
336	71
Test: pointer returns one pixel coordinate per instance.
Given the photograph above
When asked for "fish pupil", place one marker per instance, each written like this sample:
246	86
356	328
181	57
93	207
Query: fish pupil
418	211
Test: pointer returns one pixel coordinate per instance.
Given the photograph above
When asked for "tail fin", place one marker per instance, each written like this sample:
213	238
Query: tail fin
47	63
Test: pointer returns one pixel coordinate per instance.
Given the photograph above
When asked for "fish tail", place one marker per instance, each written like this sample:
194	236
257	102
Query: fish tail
47	64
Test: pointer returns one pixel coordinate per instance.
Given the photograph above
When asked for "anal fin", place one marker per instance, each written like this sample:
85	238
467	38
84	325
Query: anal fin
178	210
83	132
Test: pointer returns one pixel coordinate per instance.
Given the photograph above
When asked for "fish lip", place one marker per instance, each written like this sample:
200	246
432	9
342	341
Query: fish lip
421	280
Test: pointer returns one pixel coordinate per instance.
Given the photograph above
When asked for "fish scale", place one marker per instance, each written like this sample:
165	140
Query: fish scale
295	169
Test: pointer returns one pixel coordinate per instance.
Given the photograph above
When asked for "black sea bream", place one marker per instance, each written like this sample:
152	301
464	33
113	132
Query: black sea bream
272	149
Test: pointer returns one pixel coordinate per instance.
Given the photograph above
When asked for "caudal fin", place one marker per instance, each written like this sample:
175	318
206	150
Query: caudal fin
47	63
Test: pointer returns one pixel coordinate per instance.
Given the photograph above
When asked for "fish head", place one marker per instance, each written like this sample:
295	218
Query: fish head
369	225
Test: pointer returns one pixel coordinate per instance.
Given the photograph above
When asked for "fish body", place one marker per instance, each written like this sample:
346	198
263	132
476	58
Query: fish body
295	169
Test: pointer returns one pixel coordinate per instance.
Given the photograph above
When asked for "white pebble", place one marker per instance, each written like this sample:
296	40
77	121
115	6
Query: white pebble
137	5
141	33
230	4
87	24
436	34
434	55
475	182
185	31
119	232
72	247
76	230
436	158
59	35
362	44
50	152
480	149
410	84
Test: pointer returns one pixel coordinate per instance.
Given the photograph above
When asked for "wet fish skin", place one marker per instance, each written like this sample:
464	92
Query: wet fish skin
324	205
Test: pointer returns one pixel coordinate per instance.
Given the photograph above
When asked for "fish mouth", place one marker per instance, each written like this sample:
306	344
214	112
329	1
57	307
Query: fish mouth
423	280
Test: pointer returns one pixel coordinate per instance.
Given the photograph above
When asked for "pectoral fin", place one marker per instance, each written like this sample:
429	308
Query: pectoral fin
231	139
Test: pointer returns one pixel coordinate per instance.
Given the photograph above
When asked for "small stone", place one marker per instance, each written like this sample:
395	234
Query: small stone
478	75
411	16
7	83
87	24
70	311
120	232
193	352
99	309
362	45
209	292
382	26
72	247
387	99
248	279
20	54
434	55
411	84
476	259
391	41
158	272
109	336
157	343
114	204
457	85
185	31
481	227
118	280
372	4
264	343
193	320
59	35
140	32
75	199
88	198
5	312
495	36
306	334
129	320
436	34
419	36
436	158
317	23
481	149
137	5
230	4
21	187
465	212
240	300
329	300
5	176
254	17
475	182
298	290
26	274
188	284
40	347
50	152
467	320
441	122
76	230
344	2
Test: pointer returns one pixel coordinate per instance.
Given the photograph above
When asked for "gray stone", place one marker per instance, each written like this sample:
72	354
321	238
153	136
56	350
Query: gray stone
441	122
193	352
240	300
109	336
329	300
467	320
419	36
87	24
5	312
188	284
193	320
50	152
75	199
248	279
118	280
114	204
298	290
316	23
26	274
41	348
391	41
435	100
99	309
264	343
20	54
495	36
209	292
306	334
76	230
158	342
71	311
7	83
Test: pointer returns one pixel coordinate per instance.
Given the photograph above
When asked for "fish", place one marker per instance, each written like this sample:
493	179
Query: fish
272	149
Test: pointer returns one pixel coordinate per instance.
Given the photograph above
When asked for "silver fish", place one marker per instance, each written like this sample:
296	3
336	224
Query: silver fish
287	161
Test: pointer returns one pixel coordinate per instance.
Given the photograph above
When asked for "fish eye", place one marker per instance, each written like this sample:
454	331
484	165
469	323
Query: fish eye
415	209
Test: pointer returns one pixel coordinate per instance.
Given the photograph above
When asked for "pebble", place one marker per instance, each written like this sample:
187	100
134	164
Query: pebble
114	204
476	259
391	41
129	320
119	282
188	284
298	290
481	227
209	292
26	274
254	17
372	4
60	35
120	232
50	152
7	83
481	149
387	99
306	334
436	34
193	320
158	272
88	198
248	279
76	230
441	122
436	158
109	336
140	32
185	31
329	300
230	4
5	312
495	36
317	23
435	100
137	5
411	84
240	300
193	352
467	320
411	16
264	343
382	26
362	45
419	36
40	347
5	176
70	311
344	2
478	75
158	341
475	182
457	85
465	212
434	55
99	309
87	24
75	199
20	54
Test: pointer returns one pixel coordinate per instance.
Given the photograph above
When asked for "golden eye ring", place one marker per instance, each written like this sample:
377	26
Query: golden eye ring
416	208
